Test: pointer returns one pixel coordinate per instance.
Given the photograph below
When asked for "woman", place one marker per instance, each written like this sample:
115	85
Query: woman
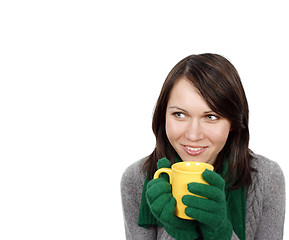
202	115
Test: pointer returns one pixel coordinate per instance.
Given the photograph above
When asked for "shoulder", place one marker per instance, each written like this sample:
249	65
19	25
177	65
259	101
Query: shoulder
266	168
265	204
133	176
267	177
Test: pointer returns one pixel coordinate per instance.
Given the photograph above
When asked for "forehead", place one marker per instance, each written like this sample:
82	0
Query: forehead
184	93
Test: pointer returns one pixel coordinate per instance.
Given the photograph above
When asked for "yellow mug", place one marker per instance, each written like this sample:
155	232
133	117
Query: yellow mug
180	175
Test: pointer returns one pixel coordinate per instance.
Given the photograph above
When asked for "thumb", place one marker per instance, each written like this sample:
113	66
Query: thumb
163	163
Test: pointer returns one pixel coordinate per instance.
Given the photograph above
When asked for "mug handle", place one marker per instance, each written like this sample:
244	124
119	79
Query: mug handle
164	170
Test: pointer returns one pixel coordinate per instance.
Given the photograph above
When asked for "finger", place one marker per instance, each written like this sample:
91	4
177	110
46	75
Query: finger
158	204
207	191
168	216
154	191
155	181
203	217
169	210
214	179
202	204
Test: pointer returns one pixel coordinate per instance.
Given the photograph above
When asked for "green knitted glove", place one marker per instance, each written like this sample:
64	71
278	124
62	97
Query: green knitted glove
210	212
163	205
164	163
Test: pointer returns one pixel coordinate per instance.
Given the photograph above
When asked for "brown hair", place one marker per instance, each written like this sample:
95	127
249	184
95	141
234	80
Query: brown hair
219	83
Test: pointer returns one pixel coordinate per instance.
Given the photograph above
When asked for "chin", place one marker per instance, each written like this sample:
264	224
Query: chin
193	159
200	158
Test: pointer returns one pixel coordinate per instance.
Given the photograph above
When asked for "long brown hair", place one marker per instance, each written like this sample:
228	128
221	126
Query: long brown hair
219	83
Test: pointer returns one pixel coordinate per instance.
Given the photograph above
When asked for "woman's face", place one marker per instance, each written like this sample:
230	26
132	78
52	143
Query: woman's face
193	129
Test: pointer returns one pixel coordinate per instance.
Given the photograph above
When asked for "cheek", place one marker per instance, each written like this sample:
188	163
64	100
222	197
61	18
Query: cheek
170	130
220	135
173	130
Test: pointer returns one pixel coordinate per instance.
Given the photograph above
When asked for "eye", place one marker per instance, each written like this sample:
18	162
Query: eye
212	117
179	115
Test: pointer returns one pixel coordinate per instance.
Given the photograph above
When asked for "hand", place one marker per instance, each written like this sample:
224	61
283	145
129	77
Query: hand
211	211
163	205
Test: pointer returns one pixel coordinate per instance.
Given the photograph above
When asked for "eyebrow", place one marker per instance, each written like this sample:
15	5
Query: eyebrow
175	107
181	109
211	111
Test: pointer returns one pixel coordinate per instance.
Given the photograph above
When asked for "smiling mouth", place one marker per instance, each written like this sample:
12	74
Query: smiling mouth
194	151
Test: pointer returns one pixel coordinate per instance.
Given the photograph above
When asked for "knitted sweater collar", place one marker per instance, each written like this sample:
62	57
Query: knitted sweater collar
236	207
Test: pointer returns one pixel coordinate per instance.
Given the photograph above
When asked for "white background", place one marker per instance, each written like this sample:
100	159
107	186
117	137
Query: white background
79	81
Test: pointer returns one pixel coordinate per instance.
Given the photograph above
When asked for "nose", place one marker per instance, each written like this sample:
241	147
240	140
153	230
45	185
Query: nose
194	131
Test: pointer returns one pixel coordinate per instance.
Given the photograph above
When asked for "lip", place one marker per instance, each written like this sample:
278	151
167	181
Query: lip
194	150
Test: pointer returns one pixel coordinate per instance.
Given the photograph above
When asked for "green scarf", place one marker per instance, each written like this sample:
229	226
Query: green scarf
236	207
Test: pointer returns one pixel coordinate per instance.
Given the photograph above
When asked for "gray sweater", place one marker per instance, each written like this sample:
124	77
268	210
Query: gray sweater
265	203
